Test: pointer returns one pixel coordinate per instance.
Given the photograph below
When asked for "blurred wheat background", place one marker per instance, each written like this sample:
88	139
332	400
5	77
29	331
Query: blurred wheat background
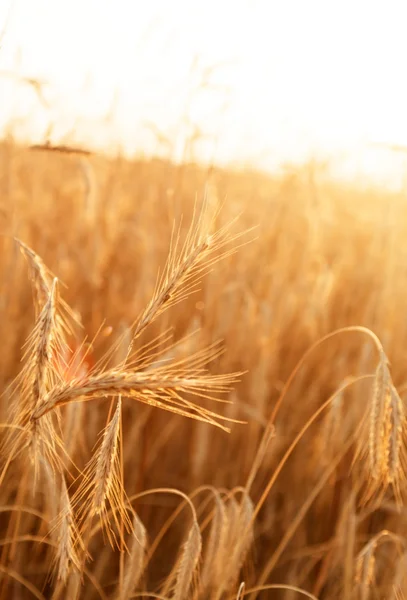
202	366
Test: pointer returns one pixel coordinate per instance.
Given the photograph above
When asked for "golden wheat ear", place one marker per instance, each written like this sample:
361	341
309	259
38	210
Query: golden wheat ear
365	569
38	443
166	386
35	380
184	574
101	492
69	541
42	279
187	264
238	538
382	446
162	389
214	545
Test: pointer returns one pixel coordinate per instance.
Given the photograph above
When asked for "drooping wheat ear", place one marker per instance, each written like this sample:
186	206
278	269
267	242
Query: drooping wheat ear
69	539
397	440
365	568
42	279
378	409
135	563
218	527
90	189
240	539
400	577
387	434
102	483
226	534
188	564
366	559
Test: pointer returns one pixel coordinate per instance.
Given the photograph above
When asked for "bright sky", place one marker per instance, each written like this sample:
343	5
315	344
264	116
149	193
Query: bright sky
286	79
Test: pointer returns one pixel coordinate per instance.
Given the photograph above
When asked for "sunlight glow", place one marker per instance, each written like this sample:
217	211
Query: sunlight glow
261	82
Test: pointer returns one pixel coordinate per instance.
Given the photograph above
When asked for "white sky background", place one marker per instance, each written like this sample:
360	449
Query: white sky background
291	79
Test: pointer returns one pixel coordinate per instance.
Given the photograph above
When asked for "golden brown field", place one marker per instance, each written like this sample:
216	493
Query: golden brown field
134	296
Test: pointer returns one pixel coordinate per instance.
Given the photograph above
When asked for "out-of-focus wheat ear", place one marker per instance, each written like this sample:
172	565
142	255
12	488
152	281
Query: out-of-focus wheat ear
240	540
378	409
135	563
383	449
218	525
366	560
188	564
400	578
397	444
225	534
69	540
365	569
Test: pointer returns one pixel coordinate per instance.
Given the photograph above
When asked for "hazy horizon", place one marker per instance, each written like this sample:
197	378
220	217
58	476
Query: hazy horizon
258	83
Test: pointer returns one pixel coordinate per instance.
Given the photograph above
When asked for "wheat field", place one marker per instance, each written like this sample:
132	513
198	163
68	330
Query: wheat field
203	382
